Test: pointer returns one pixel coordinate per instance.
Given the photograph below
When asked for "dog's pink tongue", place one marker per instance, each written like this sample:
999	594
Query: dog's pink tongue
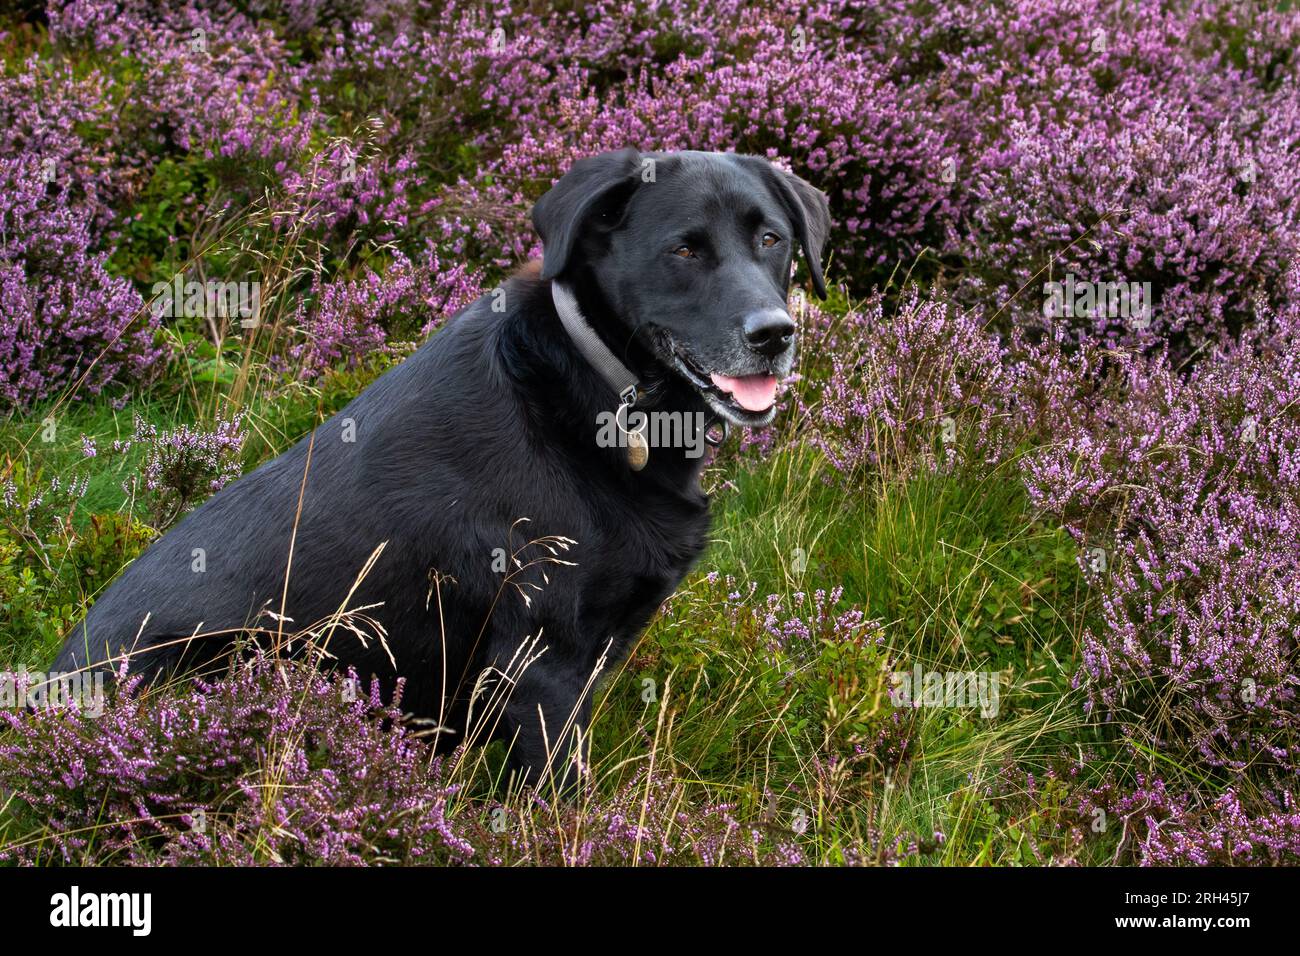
756	393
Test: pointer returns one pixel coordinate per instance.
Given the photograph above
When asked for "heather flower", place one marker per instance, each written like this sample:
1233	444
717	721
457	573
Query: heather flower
925	384
348	319
39	508
1180	829
272	764
185	465
64	320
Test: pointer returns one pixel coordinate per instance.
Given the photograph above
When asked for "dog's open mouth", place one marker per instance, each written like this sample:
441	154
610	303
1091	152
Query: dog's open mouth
742	399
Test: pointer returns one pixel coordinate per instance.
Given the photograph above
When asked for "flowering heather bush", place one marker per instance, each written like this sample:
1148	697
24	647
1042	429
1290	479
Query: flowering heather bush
272	764
351	318
651	822
645	822
924	385
186	465
1150	143
1190	488
1160	202
39	510
208	78
63	318
1187	485
350	191
1169	829
1060	813
1182	492
809	619
276	763
52	116
793	628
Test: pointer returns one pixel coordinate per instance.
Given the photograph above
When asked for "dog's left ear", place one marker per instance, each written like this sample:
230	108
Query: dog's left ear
590	185
810	211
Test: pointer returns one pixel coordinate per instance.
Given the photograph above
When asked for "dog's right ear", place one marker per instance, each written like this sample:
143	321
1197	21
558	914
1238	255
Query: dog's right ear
809	208
591	184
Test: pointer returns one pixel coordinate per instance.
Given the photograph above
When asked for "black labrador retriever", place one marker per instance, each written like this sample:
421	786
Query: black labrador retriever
575	396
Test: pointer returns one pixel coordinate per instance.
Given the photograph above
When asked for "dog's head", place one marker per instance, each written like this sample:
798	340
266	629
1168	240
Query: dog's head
692	253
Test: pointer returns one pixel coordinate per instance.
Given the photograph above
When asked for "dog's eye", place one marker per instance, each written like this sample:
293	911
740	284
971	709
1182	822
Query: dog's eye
770	239
684	252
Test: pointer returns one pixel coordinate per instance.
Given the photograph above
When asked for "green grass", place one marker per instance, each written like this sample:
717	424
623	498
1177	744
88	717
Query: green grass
960	575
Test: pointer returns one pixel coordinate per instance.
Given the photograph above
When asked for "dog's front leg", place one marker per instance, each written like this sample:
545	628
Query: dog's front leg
547	718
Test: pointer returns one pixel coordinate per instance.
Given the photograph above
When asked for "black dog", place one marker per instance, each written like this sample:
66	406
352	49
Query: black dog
673	271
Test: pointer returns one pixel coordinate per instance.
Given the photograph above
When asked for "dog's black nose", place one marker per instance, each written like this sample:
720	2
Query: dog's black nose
769	332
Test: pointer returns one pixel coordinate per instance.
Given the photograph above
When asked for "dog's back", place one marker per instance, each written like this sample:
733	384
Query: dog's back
390	467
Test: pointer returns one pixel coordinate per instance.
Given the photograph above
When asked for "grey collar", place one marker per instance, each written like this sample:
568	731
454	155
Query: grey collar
614	372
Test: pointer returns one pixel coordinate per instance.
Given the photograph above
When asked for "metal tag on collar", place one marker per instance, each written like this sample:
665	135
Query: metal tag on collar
638	448
628	396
